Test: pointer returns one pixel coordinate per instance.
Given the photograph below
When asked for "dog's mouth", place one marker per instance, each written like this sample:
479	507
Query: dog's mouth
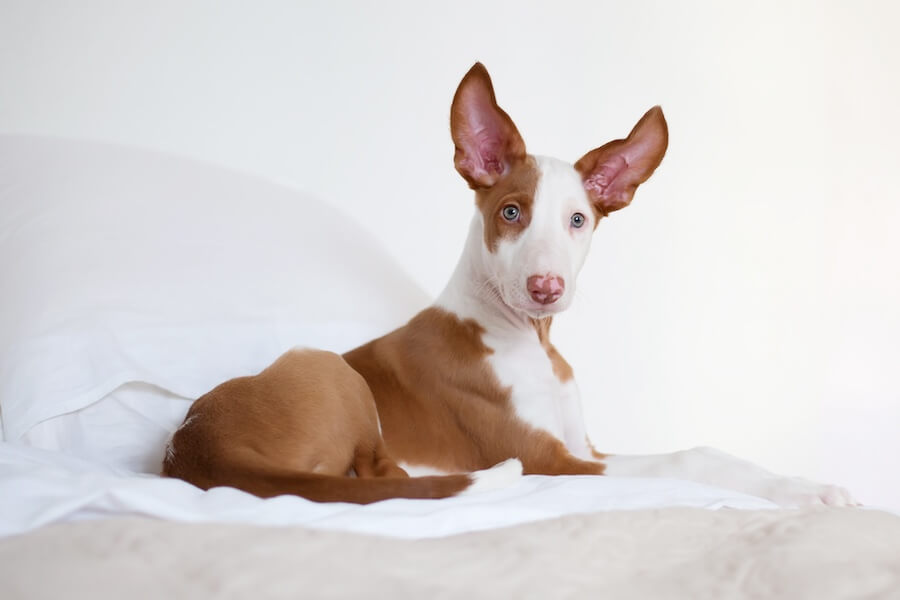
536	310
543	311
540	313
522	304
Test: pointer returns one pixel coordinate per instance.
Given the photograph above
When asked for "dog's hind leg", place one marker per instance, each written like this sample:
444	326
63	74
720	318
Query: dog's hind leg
714	467
374	461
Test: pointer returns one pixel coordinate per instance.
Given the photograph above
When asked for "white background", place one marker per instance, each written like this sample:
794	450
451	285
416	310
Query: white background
750	297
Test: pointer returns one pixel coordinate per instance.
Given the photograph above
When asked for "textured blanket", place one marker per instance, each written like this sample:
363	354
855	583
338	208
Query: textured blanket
666	553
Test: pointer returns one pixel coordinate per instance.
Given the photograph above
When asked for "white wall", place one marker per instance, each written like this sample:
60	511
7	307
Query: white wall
749	299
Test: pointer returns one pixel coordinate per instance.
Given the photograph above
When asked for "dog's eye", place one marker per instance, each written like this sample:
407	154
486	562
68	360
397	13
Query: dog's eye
577	220
510	212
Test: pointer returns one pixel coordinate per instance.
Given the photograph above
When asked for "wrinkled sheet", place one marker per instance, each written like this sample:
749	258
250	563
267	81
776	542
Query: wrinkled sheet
672	553
40	487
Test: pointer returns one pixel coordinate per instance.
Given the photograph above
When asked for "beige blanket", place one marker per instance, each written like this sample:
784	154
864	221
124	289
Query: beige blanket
670	553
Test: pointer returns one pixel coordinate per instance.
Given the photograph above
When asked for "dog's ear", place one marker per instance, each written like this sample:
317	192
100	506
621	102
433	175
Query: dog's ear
613	171
487	141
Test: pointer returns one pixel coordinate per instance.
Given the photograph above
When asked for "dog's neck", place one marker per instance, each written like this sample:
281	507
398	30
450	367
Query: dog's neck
471	292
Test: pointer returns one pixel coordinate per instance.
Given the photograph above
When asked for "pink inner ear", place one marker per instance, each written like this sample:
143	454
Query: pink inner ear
482	137
482	152
600	182
487	142
612	172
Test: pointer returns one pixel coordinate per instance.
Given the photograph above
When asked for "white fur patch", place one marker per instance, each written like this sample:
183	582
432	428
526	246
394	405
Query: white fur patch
550	244
497	477
421	470
521	363
487	284
170	449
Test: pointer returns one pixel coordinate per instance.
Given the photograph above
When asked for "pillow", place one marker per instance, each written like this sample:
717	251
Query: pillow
123	265
127	429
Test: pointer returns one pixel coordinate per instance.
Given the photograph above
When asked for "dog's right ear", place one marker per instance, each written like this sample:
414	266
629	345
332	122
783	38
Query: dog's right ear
487	141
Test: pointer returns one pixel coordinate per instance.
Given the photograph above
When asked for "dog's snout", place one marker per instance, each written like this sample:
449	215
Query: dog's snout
546	289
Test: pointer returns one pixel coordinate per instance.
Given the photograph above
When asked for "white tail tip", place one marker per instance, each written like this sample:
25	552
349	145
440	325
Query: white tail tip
497	477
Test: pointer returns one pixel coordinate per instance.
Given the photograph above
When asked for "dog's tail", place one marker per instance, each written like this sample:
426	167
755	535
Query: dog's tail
268	481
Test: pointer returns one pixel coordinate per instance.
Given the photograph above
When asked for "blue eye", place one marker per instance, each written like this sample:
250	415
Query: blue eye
577	220
510	212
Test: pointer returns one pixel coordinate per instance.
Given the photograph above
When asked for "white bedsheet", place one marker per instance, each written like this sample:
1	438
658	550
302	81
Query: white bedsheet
39	487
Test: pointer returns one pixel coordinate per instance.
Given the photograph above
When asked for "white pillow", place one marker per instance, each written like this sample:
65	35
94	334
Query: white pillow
127	429
121	265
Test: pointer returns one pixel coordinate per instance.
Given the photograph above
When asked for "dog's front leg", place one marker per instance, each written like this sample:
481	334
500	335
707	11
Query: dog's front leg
714	467
574	432
543	454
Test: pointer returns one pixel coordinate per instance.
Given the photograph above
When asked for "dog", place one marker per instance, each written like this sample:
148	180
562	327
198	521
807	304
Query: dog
470	392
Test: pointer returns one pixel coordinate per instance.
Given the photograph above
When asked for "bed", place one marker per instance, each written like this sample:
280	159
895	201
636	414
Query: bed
135	281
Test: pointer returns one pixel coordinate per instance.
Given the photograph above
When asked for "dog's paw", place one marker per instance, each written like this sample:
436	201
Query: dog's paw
795	492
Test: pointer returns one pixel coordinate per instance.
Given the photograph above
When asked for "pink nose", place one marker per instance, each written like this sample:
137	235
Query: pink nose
546	289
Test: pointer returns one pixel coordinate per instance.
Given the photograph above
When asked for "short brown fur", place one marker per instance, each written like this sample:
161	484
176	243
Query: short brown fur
300	425
516	188
561	368
441	405
295	428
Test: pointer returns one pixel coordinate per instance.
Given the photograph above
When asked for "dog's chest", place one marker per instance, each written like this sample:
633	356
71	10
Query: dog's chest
537	395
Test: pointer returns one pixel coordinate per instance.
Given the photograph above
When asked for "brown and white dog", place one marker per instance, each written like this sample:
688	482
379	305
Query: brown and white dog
473	381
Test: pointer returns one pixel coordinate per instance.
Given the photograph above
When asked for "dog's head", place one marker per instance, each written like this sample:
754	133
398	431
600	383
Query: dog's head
538	213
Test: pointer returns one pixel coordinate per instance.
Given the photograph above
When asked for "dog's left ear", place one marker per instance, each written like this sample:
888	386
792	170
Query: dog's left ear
613	171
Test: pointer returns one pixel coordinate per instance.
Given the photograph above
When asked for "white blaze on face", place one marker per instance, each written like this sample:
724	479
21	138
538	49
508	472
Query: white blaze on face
550	244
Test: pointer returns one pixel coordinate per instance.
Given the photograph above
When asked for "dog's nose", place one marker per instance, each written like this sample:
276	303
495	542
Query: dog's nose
546	289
